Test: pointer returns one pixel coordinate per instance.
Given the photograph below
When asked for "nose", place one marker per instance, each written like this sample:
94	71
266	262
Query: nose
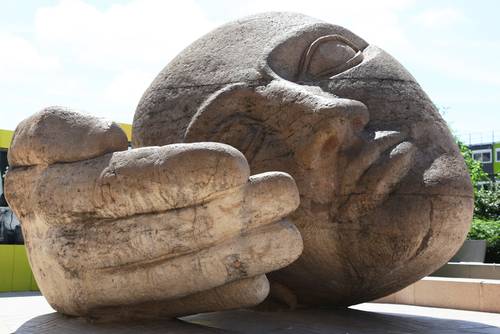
336	124
331	122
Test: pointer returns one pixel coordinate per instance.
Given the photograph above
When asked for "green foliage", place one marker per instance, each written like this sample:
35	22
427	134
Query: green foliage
493	251
486	222
487	203
483	229
476	171
488	230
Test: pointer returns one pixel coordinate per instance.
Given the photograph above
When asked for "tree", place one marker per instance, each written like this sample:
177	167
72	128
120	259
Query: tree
486	201
477	174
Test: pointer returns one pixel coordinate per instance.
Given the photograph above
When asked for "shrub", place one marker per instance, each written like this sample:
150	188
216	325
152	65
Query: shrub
486	222
487	203
488	230
475	168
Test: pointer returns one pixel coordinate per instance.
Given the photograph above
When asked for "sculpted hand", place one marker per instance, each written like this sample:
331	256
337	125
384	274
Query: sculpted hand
155	231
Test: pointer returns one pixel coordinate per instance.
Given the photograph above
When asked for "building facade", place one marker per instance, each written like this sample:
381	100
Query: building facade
489	157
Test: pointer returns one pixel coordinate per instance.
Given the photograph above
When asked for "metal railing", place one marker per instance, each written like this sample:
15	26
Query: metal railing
475	138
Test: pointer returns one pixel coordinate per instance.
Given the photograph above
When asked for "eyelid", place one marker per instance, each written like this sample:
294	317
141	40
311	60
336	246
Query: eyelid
355	60
309	53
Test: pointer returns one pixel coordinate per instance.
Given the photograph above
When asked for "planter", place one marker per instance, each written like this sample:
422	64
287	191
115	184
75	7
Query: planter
471	251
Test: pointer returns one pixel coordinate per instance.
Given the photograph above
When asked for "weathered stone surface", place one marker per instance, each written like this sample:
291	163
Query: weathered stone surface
365	318
385	195
57	134
149	232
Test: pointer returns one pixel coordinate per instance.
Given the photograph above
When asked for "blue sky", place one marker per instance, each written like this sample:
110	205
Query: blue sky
100	56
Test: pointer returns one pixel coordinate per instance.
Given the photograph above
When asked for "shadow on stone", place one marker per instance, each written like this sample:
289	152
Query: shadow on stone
56	323
334	321
247	321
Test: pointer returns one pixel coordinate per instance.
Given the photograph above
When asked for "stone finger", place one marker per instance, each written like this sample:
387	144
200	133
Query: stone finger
139	181
265	249
266	198
243	293
58	134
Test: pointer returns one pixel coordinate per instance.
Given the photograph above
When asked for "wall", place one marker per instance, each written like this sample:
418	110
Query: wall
487	167
5	138
496	164
15	273
456	293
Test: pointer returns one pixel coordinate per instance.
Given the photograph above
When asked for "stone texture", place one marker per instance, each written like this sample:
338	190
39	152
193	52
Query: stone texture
385	195
38	139
37	317
149	232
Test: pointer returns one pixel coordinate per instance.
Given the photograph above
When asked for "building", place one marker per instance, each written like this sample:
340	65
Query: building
489	156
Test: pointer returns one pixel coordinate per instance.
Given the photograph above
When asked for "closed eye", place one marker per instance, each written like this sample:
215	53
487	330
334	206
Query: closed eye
328	56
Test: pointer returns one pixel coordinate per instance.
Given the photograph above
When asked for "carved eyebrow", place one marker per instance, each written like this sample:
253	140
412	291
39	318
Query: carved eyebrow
305	60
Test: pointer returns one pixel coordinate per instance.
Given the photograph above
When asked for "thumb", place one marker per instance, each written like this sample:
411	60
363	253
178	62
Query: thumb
57	134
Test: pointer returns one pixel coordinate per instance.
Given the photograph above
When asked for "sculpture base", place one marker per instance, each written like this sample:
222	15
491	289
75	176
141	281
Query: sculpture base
302	321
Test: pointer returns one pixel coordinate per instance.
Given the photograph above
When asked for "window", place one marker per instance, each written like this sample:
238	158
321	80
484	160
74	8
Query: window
497	153
485	185
483	156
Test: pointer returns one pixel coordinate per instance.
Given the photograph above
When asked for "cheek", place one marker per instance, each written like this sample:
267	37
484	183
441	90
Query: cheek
308	155
263	146
330	147
408	236
403	106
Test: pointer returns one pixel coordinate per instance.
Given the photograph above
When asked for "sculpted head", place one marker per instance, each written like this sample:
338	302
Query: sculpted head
385	196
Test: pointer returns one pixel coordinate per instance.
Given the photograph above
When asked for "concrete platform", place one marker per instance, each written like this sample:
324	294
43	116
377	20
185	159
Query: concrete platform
30	313
457	293
469	270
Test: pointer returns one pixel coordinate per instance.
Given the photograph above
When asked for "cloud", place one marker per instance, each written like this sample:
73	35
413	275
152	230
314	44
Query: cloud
464	70
144	32
20	58
379	22
97	59
126	88
137	33
440	17
466	58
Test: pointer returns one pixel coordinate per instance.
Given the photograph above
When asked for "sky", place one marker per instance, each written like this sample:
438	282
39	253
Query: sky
100	56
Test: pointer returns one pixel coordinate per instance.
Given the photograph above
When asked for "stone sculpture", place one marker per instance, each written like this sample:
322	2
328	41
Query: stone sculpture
168	230
385	195
151	232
